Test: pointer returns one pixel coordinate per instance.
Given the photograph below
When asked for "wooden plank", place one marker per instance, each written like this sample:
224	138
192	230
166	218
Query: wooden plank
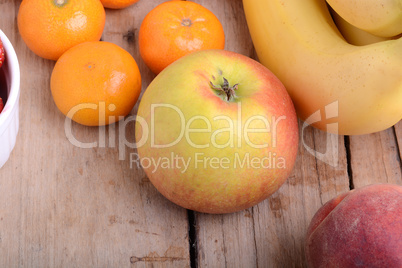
67	206
375	158
166	227
270	234
228	240
282	220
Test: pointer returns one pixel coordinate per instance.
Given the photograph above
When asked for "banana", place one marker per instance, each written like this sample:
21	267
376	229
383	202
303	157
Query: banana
378	17
341	88
354	35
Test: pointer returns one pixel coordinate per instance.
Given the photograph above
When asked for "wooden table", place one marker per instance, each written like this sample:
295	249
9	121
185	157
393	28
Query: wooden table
64	206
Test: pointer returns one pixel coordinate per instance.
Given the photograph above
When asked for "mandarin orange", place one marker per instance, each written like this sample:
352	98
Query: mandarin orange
95	83
176	28
49	28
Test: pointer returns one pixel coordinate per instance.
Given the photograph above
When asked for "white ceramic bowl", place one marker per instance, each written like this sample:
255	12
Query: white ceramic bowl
9	117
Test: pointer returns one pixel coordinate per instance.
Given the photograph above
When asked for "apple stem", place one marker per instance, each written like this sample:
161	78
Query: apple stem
226	89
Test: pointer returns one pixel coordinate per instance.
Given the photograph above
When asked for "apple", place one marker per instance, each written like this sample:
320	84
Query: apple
360	228
216	132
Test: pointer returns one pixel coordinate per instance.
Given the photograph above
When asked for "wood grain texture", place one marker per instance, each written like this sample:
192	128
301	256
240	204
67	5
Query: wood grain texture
228	240
263	232
375	158
66	206
282	220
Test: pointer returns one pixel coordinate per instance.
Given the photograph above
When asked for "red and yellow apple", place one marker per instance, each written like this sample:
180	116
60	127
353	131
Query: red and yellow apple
360	228
216	132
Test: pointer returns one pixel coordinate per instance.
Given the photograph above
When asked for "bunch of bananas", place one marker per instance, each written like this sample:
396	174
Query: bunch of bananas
335	86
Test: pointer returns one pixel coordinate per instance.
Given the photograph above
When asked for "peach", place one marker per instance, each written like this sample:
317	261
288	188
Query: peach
360	228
